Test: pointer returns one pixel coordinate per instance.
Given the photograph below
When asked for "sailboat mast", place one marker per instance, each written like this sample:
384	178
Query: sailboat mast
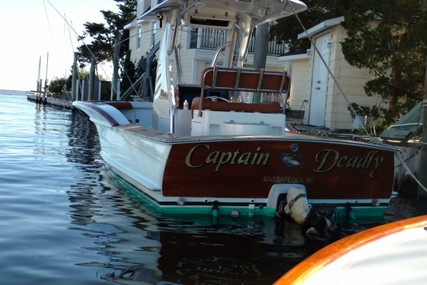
45	80
38	89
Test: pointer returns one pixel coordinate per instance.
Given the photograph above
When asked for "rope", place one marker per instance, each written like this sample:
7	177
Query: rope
348	102
48	23
74	31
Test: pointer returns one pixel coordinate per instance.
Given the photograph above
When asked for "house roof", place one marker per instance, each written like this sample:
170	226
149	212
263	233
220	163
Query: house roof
137	20
321	27
131	24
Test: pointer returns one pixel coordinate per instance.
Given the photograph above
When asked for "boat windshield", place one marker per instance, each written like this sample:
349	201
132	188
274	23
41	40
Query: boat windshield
408	127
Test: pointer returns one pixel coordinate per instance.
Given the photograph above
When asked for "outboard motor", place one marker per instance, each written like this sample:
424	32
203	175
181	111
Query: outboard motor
315	221
295	205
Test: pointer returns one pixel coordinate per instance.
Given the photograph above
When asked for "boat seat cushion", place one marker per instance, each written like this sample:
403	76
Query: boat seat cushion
267	107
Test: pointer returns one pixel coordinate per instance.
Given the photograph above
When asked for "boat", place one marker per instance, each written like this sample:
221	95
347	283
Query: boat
393	253
204	149
406	135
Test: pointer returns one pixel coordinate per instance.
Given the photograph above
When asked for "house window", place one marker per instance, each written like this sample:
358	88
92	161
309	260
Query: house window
153	33
138	38
193	37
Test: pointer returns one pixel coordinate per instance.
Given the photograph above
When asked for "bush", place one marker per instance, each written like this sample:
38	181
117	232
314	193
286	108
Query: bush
57	85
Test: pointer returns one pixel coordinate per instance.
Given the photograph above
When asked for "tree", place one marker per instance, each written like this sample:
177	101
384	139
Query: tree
103	35
128	71
110	41
390	39
57	85
288	28
81	74
132	80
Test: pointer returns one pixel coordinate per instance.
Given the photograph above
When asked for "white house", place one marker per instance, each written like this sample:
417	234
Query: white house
197	45
323	82
322	91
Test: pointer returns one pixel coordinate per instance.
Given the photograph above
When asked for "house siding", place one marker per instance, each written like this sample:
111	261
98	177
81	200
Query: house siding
351	81
300	85
146	44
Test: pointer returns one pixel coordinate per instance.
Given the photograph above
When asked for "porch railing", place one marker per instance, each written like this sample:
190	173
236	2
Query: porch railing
212	39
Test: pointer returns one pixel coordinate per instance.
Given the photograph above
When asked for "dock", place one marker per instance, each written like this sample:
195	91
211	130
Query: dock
55	100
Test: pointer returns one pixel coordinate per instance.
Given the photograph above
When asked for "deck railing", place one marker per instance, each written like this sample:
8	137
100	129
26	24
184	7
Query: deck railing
212	39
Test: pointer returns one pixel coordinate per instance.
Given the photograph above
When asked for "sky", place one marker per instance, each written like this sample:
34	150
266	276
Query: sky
45	31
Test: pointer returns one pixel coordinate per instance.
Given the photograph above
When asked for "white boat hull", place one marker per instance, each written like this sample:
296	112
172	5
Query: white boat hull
394	253
196	174
225	154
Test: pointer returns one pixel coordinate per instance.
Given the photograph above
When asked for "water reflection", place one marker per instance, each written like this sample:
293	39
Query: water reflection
84	141
65	222
223	255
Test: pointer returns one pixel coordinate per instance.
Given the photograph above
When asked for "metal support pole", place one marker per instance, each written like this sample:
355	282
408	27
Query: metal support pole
74	78
116	55
260	53
99	90
91	86
45	81
78	90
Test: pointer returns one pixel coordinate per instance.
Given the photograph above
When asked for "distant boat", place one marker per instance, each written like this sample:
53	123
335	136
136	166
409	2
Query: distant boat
394	253
406	134
225	156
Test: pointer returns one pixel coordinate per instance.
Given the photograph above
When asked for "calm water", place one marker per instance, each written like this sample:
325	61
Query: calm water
63	221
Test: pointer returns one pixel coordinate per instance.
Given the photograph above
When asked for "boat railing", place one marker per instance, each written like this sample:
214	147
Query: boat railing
248	80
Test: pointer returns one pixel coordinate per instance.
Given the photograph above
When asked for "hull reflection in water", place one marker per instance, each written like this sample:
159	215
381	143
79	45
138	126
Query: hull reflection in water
188	250
124	240
208	255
